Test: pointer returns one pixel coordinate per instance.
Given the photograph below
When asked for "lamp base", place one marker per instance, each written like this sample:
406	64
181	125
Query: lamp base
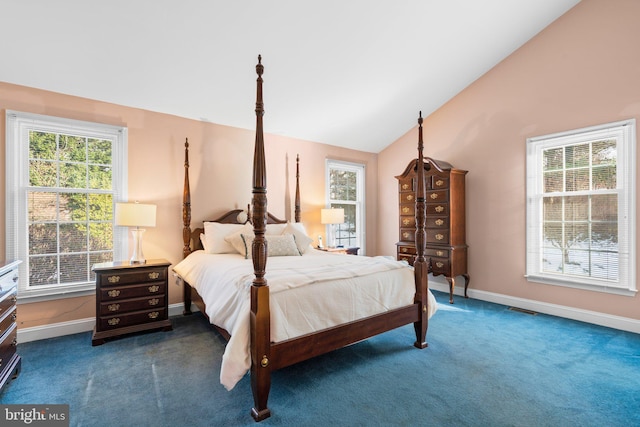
137	257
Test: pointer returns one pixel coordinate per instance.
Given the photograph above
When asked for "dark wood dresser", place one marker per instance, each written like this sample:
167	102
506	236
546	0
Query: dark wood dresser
446	250
130	298
10	361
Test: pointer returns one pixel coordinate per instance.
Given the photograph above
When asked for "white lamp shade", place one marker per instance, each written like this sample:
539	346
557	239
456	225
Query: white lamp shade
332	216
135	215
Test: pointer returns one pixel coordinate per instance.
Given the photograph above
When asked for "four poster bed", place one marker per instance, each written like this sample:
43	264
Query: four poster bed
292	317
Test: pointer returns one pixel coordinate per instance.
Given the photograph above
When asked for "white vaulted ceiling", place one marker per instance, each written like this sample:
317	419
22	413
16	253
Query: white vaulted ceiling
350	73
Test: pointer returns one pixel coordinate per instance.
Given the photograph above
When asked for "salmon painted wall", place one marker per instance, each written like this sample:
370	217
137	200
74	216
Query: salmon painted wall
582	70
220	172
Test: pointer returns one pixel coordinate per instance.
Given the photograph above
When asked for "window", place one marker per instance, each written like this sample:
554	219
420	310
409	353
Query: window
345	189
581	208
63	178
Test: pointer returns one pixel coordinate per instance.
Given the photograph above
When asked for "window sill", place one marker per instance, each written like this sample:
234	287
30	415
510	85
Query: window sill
584	286
40	295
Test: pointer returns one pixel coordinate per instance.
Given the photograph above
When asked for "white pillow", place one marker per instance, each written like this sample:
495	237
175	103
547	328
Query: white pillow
215	233
302	240
282	245
238	242
273	229
203	241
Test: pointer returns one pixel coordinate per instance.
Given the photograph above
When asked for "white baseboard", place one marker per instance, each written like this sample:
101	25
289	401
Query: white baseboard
616	322
594	317
73	327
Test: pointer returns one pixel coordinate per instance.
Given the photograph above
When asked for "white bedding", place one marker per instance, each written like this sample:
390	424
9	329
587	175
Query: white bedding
299	288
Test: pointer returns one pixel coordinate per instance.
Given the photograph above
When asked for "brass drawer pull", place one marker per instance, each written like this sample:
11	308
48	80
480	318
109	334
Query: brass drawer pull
439	221
154	288
439	236
404	250
406	222
439	253
434	196
114	321
113	279
405	210
114	293
439	264
153	315
154	275
439	208
406	235
439	183
405	186
154	301
113	307
410	197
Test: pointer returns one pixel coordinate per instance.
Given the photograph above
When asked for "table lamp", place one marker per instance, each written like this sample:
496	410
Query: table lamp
332	217
136	215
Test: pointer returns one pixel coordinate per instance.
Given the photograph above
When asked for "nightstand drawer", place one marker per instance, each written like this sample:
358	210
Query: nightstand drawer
132	291
134	318
7	321
8	301
8	282
125	277
116	307
8	346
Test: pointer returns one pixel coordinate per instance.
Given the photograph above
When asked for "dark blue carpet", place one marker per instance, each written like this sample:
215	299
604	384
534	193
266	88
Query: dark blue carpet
485	366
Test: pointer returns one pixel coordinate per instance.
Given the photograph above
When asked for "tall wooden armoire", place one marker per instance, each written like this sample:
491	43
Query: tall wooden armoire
446	250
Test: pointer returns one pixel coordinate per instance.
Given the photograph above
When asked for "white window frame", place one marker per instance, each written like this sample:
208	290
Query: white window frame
624	132
360	171
18	126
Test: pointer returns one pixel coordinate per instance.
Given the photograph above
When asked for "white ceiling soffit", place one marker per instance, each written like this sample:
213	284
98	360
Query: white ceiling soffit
347	73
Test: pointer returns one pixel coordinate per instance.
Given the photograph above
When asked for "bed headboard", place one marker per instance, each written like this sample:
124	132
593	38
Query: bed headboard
235	216
191	238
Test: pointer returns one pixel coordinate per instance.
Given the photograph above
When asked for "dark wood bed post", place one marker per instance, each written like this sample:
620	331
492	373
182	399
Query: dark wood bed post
297	202
186	225
260	316
420	263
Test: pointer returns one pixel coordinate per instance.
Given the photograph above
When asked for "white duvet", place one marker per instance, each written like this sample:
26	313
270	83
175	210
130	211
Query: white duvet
307	293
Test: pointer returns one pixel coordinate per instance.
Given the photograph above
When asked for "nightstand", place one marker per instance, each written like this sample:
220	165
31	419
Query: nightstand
131	298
